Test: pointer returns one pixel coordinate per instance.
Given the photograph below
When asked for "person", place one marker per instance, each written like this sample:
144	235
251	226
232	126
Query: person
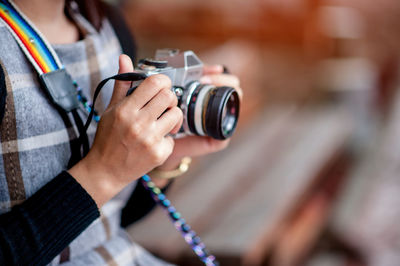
53	212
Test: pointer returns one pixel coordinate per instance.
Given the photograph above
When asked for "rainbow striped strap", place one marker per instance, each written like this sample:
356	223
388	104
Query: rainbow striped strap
36	48
55	79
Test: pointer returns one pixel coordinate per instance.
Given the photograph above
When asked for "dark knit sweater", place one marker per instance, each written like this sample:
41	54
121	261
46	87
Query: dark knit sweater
36	231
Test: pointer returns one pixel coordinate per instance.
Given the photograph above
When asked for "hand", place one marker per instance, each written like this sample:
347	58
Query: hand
213	74
132	136
197	145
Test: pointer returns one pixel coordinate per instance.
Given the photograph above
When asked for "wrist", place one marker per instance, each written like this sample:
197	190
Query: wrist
100	185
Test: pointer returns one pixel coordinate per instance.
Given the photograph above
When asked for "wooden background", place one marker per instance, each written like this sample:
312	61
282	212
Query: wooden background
320	83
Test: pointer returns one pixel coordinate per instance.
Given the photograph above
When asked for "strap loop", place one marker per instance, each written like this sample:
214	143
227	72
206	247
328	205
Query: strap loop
130	76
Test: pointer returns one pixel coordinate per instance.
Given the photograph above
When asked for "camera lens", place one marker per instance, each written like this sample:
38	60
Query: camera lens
222	112
213	111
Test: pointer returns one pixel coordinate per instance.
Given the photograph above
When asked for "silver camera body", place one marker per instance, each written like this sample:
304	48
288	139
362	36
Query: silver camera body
182	68
204	106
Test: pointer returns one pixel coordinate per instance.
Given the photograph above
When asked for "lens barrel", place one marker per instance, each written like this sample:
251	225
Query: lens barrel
213	111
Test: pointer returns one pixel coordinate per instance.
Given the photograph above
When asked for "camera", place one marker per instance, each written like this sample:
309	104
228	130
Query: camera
207	110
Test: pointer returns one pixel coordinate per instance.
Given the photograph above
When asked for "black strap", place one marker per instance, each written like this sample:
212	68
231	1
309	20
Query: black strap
3	93
83	137
74	144
131	76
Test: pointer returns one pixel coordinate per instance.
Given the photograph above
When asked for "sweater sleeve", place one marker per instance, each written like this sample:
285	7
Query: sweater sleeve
37	230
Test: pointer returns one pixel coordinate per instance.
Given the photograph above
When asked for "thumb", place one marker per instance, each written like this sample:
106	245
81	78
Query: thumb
121	87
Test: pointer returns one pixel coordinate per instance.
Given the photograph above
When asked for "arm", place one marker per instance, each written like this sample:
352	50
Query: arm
133	136
41	227
37	230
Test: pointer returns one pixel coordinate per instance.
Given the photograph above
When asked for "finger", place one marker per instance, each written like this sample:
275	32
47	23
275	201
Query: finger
164	100
170	121
149	88
197	146
221	80
240	92
212	69
121	87
224	80
167	146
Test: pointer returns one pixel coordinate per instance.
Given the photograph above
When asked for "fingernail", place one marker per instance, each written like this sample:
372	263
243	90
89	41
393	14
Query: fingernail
206	80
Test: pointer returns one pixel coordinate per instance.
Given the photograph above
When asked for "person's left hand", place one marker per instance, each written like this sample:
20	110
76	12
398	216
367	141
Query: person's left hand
198	145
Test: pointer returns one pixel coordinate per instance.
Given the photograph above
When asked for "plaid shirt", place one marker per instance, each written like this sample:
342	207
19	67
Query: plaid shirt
35	144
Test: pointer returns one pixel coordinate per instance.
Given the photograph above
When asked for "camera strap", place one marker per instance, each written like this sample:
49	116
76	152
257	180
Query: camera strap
57	82
66	95
62	91
130	76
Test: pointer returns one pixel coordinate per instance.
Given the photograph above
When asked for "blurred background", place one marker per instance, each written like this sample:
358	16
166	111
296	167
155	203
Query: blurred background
312	175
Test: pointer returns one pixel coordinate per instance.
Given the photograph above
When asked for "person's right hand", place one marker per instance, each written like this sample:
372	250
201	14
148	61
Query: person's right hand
132	136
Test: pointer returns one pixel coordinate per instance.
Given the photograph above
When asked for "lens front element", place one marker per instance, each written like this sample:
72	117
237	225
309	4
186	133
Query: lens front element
230	114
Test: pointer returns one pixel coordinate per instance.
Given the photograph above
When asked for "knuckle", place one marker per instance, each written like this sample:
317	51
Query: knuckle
174	114
154	81
157	156
178	114
159	81
120	114
160	159
165	80
135	130
148	144
168	95
171	97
